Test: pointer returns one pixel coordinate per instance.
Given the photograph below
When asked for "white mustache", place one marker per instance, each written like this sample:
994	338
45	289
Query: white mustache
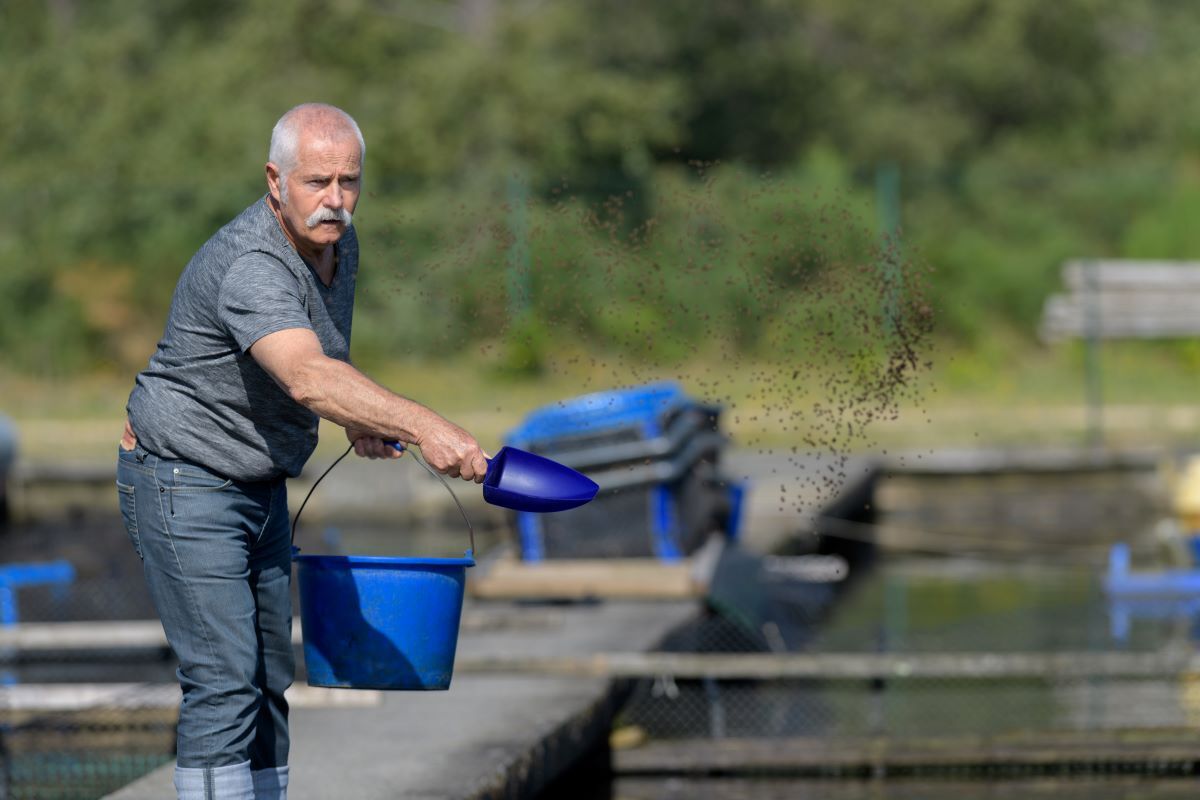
329	214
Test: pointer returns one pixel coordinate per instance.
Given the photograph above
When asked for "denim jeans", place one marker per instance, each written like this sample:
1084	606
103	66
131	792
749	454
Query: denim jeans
216	554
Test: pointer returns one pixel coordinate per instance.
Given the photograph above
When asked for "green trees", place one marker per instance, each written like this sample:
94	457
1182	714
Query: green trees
644	177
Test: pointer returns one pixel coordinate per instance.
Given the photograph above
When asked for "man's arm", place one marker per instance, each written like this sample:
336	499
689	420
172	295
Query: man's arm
338	392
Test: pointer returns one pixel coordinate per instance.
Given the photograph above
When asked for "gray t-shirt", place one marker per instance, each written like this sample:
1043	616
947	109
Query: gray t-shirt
202	398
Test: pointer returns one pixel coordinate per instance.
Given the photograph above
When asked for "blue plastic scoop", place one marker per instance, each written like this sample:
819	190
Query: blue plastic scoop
525	481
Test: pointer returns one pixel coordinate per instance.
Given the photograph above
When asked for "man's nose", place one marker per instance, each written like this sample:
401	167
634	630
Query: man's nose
333	196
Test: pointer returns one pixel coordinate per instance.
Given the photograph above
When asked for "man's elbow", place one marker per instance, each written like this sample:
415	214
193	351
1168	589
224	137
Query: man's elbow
304	386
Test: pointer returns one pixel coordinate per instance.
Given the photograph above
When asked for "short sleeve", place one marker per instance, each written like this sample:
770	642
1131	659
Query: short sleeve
260	295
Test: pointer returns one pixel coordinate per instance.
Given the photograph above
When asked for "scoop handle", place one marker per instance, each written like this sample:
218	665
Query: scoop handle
402	448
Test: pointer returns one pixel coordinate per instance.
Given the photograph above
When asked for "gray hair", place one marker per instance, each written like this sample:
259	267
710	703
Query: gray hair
285	137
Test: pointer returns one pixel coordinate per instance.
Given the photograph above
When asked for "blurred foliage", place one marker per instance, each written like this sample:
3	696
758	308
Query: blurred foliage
663	180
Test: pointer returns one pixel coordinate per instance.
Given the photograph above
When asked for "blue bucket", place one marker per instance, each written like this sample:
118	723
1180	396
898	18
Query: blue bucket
381	623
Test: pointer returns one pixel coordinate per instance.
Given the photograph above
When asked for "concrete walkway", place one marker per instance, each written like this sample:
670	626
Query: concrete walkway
489	736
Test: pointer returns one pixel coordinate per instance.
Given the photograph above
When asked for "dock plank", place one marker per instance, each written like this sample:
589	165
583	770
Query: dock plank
881	756
483	649
848	666
580	579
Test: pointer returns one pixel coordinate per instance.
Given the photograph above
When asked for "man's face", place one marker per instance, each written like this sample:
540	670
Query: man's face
322	191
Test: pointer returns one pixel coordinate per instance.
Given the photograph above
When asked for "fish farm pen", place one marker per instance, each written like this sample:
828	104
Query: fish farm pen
940	628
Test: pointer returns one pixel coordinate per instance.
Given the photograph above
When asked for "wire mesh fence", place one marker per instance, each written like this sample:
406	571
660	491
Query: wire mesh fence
81	742
668	707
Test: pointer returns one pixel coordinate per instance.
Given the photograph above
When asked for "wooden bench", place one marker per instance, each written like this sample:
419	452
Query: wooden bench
1124	300
1113	299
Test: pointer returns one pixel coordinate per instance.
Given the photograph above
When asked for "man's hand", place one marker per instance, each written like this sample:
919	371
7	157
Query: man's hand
451	450
368	446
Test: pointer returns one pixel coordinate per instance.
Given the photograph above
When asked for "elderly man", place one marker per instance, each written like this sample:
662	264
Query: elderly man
255	350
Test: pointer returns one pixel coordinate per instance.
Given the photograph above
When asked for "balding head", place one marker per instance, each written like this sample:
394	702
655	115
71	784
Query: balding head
314	177
313	121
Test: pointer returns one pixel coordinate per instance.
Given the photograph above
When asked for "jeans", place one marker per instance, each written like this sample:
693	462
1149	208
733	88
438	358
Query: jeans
216	554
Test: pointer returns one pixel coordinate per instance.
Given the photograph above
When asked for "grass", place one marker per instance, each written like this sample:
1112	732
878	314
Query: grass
1004	394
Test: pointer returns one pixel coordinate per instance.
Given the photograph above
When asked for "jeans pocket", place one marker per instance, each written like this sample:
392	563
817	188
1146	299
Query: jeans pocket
188	478
127	498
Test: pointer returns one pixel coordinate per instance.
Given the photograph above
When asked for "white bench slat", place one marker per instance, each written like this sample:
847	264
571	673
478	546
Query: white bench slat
1149	303
1083	276
1128	329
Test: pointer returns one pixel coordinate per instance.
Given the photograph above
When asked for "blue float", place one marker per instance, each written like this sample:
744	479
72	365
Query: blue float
1151	594
1121	581
15	576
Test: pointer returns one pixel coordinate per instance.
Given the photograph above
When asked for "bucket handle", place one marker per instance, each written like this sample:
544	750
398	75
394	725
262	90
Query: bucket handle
470	528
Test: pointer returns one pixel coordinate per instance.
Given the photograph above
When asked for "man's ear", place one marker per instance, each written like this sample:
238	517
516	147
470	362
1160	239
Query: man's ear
273	182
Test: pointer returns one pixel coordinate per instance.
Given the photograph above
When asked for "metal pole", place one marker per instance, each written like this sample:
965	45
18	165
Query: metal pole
1095	398
887	209
519	289
716	709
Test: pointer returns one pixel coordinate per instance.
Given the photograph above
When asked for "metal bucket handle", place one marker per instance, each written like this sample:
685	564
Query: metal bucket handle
453	496
470	528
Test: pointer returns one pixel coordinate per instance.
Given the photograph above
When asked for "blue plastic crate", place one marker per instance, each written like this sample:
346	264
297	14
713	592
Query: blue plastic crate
654	452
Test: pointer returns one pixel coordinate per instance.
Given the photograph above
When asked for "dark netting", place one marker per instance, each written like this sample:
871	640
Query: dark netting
100	597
